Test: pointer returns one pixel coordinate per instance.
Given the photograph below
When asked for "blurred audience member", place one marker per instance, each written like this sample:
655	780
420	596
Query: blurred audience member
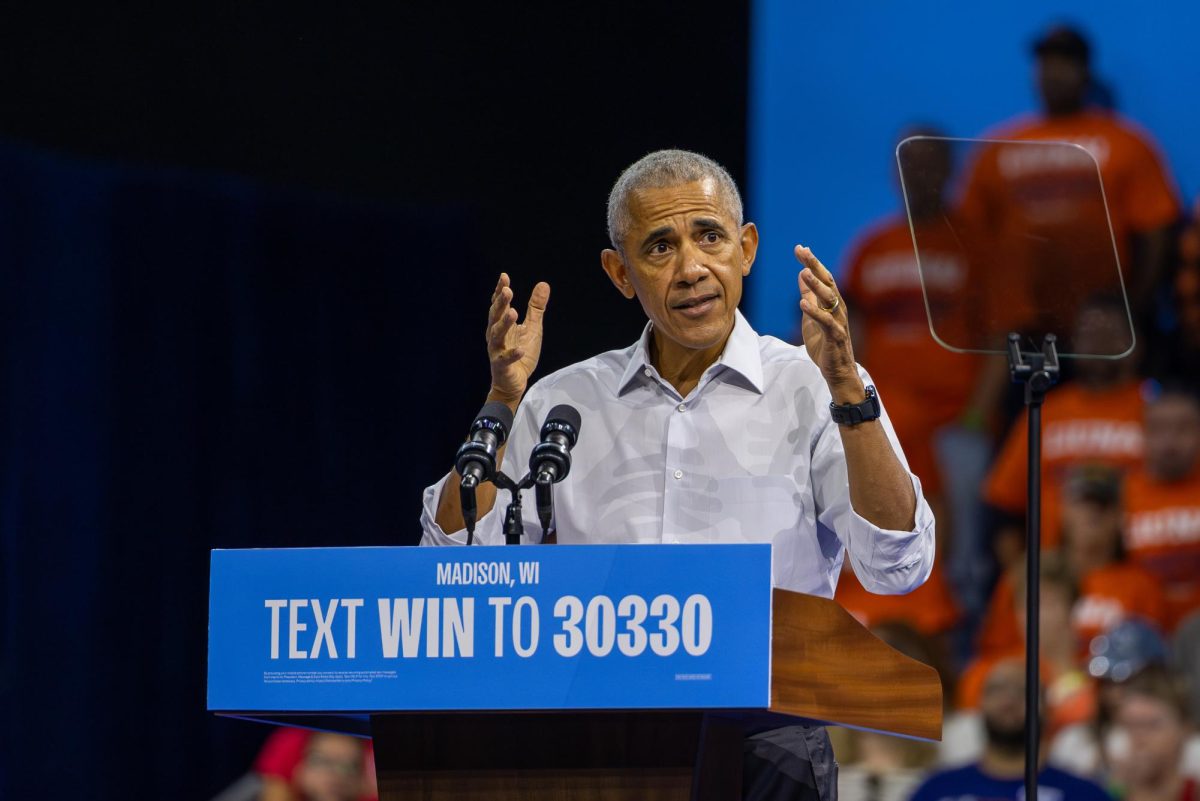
880	767
1162	532
1095	419
1148	739
1109	588
999	774
1115	657
929	390
1035	192
301	765
1070	694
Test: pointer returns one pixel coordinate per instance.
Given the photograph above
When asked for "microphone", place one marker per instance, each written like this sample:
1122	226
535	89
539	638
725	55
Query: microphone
550	460
476	458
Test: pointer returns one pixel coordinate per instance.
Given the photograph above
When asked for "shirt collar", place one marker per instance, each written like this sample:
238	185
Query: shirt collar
741	355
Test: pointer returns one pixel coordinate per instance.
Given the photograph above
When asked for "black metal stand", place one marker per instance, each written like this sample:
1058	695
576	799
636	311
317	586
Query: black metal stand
513	527
1038	372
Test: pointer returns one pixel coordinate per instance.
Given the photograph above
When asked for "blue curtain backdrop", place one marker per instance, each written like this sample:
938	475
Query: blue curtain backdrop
192	362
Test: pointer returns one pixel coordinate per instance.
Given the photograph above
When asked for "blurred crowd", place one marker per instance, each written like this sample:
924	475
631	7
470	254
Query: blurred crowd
1120	483
1120	523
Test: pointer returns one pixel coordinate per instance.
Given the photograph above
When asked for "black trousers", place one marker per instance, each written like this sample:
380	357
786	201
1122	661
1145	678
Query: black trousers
794	763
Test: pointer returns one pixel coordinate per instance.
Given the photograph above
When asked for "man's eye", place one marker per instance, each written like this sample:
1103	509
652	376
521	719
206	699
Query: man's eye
659	247
711	237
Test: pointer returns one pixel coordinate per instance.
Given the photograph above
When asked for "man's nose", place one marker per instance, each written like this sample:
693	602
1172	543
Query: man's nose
692	268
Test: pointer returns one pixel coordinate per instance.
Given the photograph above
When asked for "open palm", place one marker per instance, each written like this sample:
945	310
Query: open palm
514	349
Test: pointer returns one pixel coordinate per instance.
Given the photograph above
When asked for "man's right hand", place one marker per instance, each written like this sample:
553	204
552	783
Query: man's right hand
513	349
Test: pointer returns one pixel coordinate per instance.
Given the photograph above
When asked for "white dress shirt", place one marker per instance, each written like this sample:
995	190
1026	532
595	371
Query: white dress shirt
750	455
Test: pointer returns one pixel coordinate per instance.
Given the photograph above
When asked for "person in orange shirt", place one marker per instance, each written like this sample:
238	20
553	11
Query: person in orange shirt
927	386
929	390
1070	694
1162	530
1109	588
1051	194
1094	419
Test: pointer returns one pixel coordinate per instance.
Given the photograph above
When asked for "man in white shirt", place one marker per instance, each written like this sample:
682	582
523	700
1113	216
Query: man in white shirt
703	431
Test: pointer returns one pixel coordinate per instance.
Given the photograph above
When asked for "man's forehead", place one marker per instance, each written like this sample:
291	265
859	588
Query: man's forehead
652	205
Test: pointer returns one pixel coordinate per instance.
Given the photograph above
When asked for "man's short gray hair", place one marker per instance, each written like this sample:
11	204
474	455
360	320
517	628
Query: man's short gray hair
660	169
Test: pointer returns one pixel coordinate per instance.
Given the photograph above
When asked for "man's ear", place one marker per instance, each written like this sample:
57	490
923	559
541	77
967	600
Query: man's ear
614	265
749	242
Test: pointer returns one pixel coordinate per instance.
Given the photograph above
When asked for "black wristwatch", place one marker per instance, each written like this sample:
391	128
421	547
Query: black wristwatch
851	414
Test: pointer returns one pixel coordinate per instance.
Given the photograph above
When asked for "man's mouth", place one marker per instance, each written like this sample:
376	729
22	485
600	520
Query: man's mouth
696	306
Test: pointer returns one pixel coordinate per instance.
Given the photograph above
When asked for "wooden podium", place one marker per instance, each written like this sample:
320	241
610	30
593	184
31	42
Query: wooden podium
442	736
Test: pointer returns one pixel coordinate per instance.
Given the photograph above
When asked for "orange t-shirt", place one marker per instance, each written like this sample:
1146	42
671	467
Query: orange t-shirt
1107	596
1055	192
930	609
882	280
1115	592
923	385
1162	534
1079	427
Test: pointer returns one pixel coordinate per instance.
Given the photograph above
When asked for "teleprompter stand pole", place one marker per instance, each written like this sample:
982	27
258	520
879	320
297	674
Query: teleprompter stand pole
1038	372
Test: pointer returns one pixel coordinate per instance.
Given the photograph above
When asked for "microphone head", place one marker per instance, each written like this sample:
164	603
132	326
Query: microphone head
500	415
565	418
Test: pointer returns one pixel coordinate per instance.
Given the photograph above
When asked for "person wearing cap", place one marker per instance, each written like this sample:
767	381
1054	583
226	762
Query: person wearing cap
1020	194
1114	658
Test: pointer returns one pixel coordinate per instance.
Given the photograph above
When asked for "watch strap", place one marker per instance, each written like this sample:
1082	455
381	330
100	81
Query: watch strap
851	414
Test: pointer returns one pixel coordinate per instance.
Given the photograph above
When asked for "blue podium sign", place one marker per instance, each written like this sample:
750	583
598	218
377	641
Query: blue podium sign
331	630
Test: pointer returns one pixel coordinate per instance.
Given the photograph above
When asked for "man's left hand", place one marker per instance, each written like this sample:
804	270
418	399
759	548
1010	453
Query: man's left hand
826	329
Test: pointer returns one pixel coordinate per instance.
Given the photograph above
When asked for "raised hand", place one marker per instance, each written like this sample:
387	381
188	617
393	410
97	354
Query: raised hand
826	327
513	349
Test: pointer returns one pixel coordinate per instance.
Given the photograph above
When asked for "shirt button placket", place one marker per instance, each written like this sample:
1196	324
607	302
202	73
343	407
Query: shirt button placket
674	475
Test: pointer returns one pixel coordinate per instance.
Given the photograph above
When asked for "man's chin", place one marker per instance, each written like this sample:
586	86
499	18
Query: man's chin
1010	739
699	334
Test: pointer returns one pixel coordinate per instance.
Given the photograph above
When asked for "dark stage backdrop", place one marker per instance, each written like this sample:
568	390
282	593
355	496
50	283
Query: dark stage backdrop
245	260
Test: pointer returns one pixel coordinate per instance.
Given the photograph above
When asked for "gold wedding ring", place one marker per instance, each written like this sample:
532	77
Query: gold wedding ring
837	301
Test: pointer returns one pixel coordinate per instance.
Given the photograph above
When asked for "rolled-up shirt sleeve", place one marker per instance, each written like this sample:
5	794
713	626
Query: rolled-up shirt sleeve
886	562
431	532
